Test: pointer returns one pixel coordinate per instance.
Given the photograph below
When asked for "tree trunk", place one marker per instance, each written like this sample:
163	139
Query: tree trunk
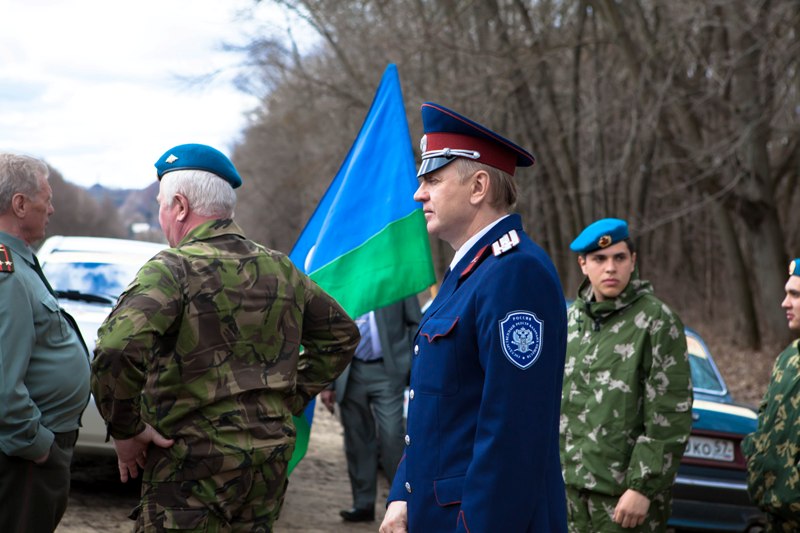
745	318
756	203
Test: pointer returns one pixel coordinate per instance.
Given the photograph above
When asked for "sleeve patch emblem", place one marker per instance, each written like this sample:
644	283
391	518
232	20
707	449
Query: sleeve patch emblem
521	334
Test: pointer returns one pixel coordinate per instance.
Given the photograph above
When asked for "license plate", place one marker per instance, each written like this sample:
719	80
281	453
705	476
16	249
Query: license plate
708	448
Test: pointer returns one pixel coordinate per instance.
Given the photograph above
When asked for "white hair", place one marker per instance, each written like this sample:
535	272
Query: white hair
208	194
19	174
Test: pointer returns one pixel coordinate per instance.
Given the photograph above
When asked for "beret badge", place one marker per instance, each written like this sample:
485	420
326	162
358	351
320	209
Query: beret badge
793	267
171	159
604	241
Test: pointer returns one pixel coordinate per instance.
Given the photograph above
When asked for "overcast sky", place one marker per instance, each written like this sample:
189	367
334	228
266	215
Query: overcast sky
95	87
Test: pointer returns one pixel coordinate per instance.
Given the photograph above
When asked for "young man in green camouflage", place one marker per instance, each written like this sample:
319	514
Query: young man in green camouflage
627	396
199	367
772	450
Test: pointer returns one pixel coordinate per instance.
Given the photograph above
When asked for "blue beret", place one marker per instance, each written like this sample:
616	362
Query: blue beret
794	267
198	157
600	234
449	135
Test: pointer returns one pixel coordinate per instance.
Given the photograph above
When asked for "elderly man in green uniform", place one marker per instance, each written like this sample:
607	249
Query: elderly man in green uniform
627	396
44	365
206	356
772	450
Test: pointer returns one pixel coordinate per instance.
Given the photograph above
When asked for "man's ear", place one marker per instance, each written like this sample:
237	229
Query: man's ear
481	183
582	263
18	204
183	207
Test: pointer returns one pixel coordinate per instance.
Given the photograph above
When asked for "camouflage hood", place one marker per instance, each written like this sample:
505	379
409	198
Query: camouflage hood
601	311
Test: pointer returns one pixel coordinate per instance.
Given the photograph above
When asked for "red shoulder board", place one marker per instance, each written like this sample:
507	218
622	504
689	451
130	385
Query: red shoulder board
6	264
505	243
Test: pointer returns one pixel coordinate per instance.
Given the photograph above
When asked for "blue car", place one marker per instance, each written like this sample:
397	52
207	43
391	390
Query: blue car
710	491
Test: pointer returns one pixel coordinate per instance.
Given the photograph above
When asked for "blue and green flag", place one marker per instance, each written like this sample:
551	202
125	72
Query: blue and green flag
366	243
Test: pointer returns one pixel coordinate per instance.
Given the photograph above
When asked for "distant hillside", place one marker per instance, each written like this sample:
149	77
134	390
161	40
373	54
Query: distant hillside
117	196
137	208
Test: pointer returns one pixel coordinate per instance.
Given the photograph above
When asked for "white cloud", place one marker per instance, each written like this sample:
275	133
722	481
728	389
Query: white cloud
99	89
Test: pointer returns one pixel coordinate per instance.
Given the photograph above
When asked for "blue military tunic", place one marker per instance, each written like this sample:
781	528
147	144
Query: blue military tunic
482	445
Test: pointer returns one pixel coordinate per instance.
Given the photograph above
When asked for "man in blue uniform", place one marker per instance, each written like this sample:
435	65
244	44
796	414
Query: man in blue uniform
482	444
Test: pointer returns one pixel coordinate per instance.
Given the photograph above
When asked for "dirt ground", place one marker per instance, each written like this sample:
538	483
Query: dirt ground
318	489
745	371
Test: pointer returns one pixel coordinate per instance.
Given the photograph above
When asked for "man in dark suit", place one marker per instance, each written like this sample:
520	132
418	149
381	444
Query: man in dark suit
482	441
370	396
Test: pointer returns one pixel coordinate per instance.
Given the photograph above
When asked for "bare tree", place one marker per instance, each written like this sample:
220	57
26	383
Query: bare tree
680	116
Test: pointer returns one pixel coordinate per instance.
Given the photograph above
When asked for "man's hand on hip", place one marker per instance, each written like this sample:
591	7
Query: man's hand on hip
132	453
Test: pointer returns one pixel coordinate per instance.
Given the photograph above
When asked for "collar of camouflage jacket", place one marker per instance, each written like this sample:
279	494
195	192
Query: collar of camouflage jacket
636	288
210	229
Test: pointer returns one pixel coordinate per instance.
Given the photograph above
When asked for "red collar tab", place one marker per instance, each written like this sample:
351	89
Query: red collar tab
6	264
505	243
480	256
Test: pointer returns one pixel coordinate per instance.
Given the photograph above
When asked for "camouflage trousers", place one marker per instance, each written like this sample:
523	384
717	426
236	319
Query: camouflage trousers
248	499
778	524
589	511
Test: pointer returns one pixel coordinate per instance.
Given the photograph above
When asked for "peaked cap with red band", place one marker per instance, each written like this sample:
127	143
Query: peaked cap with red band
449	135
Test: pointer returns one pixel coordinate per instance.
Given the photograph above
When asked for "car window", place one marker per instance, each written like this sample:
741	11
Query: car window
101	279
705	376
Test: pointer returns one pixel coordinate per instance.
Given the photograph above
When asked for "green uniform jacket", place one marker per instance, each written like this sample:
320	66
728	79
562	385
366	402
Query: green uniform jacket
44	368
205	346
627	395
773	450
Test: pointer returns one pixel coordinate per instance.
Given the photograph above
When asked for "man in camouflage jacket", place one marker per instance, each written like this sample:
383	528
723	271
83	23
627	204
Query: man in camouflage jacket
199	367
772	450
626	400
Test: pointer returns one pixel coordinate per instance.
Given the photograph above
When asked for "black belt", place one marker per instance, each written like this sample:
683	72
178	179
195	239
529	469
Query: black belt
370	361
66	439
